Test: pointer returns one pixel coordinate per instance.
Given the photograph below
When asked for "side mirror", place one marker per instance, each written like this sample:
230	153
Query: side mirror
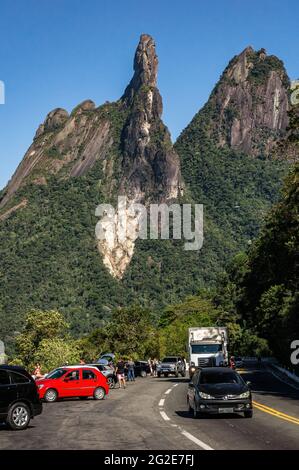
248	383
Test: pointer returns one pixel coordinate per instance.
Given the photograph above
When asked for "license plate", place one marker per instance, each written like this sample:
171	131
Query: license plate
225	410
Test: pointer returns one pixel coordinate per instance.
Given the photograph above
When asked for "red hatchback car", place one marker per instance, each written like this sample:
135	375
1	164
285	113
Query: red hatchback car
73	381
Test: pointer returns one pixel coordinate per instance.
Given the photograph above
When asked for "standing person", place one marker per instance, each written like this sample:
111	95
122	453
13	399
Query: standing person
155	364
150	363
131	370
82	362
120	373
37	374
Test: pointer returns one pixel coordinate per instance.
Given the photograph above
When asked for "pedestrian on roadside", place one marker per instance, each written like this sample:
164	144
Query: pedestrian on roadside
131	370
120	373
82	362
150	363
37	374
155	365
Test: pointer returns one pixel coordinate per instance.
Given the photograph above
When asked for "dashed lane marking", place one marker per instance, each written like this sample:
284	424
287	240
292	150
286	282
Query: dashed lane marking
187	434
164	416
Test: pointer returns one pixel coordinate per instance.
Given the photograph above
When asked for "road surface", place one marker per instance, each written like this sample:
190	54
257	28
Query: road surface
152	414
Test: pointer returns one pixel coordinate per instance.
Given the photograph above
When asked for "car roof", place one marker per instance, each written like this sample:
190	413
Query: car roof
7	367
216	370
79	366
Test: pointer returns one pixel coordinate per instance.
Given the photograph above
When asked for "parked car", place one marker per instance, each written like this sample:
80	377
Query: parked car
73	381
219	390
239	362
108	372
141	368
19	398
106	358
174	365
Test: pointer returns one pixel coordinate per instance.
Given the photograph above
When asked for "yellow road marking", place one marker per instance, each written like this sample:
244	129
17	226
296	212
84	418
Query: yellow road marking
273	412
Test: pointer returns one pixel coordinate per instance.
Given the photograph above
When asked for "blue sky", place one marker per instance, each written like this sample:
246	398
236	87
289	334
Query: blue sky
56	53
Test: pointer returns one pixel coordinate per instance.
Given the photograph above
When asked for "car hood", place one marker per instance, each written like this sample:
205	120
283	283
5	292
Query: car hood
43	381
223	389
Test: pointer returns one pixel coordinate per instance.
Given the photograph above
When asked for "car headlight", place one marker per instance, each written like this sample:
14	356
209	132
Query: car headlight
205	396
245	394
40	386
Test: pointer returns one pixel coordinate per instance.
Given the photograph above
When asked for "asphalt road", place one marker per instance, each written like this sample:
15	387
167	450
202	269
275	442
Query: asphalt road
152	414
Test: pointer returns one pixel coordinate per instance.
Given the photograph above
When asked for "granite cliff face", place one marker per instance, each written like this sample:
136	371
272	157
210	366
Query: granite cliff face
151	166
247	110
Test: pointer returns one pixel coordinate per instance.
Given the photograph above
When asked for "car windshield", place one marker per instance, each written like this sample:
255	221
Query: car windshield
56	374
169	359
206	348
220	378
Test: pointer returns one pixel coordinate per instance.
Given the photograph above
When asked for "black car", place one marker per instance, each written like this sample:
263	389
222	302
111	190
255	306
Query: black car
219	390
141	368
19	400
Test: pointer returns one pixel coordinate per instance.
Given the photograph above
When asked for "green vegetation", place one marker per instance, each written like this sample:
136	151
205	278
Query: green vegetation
44	339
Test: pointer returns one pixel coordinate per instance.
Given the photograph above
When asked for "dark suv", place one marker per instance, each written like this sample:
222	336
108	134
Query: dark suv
19	400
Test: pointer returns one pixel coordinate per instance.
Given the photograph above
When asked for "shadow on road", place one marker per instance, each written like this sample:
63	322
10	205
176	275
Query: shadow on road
186	414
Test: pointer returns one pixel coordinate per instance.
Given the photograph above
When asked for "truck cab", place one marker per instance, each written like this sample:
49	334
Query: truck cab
207	347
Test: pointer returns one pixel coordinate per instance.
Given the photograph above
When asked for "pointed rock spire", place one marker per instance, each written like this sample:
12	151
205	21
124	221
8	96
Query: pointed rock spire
145	67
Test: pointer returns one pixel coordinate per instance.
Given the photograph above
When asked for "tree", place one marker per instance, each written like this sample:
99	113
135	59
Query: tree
177	318
55	352
39	326
131	332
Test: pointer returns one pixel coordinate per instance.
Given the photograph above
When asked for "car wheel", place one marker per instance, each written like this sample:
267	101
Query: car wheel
248	414
18	416
99	393
166	374
51	395
159	374
111	382
143	373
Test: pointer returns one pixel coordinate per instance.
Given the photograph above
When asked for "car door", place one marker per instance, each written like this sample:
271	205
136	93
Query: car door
25	386
192	388
70	384
8	392
88	383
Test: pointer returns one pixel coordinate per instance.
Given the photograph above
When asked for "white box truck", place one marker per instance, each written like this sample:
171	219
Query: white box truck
207	347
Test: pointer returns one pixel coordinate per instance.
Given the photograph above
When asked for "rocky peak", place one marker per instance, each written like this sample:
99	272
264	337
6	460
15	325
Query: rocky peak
150	166
145	67
249	105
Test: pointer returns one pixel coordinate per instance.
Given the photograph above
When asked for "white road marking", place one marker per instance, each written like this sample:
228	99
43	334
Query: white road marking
196	441
164	416
187	434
